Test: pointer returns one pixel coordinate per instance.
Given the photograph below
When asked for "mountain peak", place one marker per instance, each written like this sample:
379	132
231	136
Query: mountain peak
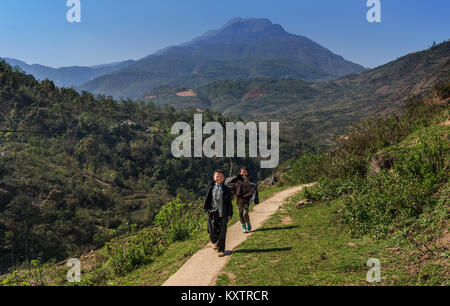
241	29
240	49
232	21
249	22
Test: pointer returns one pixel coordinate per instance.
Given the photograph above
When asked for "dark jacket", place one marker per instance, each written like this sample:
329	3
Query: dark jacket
227	197
242	188
255	197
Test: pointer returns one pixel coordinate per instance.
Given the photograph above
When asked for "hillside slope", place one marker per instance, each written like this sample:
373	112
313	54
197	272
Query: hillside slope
74	169
396	210
322	110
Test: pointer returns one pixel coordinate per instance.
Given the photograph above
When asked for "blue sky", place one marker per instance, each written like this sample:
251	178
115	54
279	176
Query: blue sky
114	30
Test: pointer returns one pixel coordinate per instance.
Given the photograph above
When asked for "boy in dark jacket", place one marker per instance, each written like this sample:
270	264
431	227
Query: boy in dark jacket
244	190
255	196
219	209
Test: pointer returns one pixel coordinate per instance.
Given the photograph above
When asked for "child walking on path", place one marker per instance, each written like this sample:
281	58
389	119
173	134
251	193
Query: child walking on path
219	209
244	190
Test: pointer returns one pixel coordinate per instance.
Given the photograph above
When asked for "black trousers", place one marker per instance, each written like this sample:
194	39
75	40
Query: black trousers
243	209
217	229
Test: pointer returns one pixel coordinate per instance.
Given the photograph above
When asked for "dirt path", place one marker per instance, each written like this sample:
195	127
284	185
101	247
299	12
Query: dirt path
204	266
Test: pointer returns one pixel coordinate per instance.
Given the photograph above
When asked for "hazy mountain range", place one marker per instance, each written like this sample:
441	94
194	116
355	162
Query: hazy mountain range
68	76
241	49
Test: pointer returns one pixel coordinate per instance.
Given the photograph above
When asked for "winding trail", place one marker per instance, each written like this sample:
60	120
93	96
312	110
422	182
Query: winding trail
204	266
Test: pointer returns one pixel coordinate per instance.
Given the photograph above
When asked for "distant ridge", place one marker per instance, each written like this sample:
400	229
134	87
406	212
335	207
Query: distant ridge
241	49
68	76
317	109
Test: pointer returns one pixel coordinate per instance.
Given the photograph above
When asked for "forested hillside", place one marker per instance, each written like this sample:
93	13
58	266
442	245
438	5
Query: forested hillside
73	167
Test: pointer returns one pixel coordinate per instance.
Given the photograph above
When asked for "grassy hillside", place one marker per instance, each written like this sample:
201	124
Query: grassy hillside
79	173
308	246
384	194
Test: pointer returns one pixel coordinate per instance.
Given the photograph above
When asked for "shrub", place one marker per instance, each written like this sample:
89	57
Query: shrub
330	189
140	249
175	221
308	168
178	220
386	200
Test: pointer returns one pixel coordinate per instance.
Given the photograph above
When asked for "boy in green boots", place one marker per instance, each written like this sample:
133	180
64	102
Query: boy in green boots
244	191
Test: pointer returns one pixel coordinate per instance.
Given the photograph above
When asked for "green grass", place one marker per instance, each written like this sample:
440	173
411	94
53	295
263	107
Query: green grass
316	250
96	272
157	272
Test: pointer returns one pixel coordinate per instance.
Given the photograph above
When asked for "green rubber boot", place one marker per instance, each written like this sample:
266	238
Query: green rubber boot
244	229
249	227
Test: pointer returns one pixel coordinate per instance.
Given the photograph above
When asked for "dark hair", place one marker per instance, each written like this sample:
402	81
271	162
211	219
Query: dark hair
220	171
243	168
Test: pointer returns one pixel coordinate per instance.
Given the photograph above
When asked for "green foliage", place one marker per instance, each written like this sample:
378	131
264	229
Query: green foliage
307	168
73	167
178	220
36	273
175	221
400	196
33	276
387	200
400	199
139	249
330	189
12	279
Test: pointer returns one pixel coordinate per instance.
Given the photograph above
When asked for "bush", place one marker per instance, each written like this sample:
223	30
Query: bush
179	220
330	189
391	200
175	221
386	200
140	249
308	168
